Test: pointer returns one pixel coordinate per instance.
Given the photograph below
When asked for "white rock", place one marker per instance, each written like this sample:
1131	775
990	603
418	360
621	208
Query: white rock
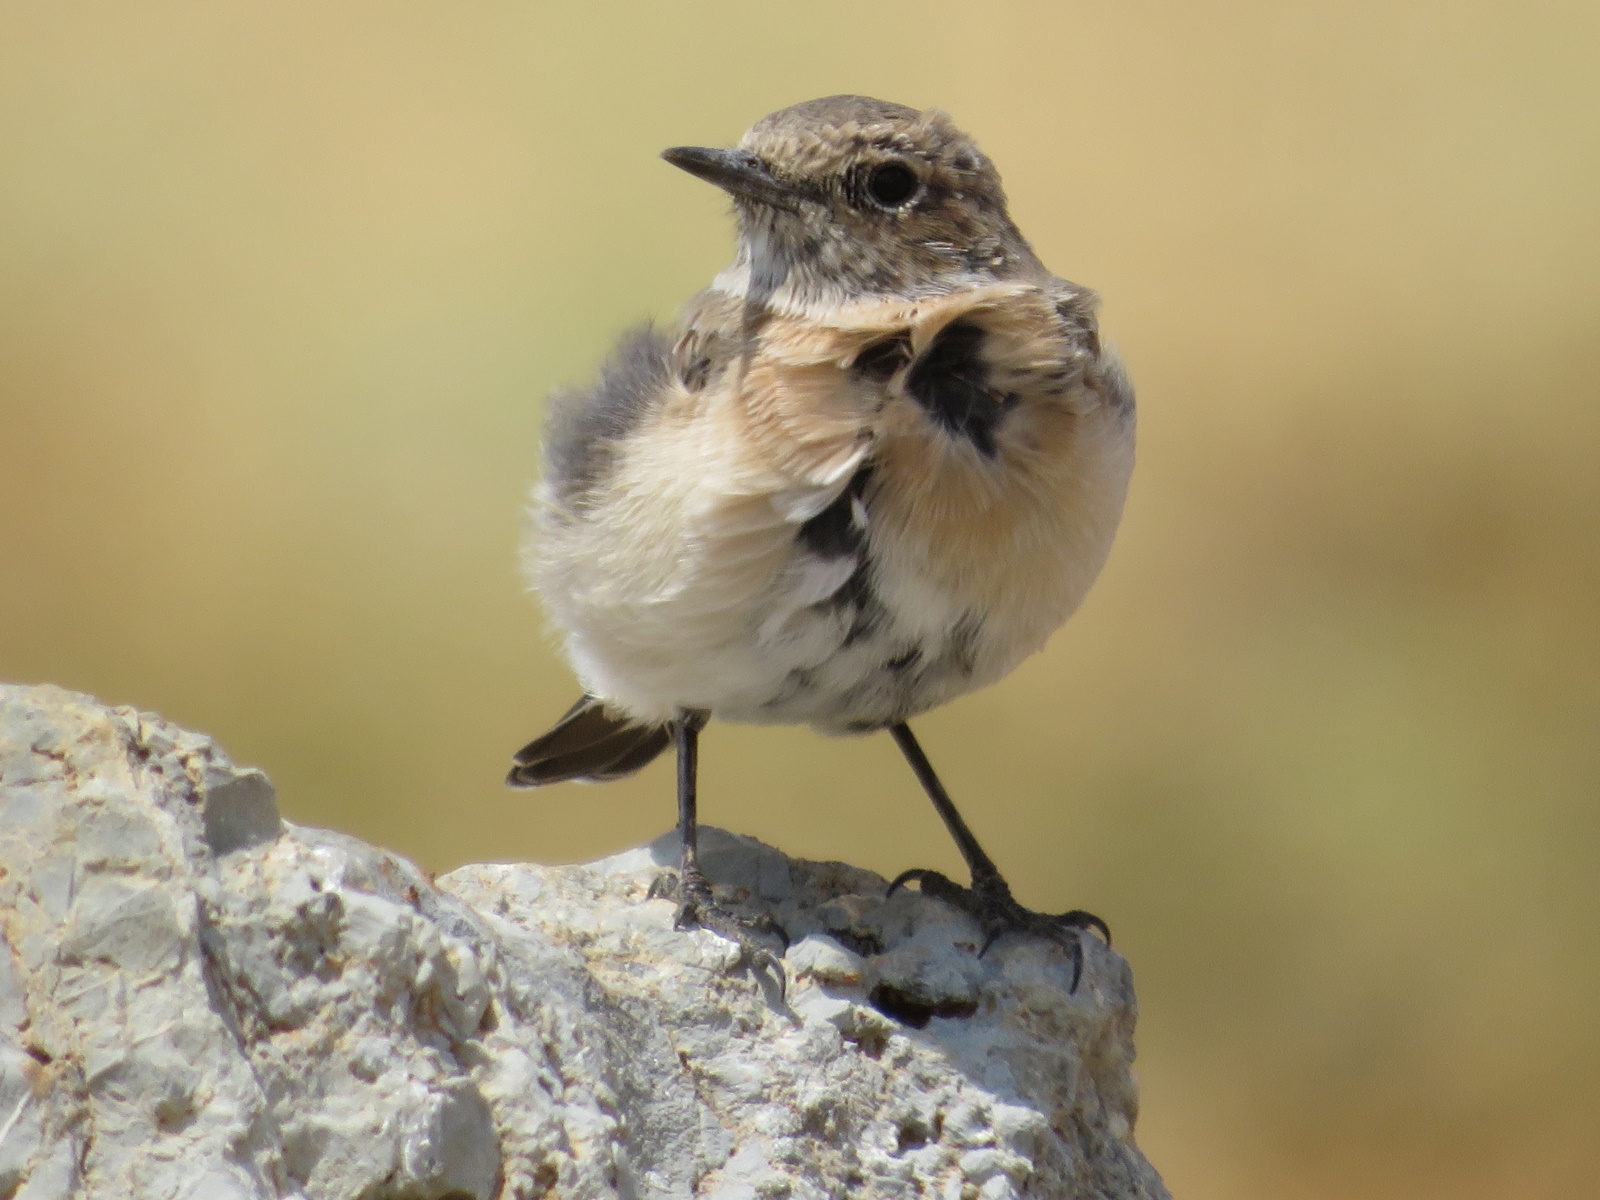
199	1000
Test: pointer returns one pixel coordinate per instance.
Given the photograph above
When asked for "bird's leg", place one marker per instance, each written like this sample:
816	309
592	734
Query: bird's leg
989	899
696	905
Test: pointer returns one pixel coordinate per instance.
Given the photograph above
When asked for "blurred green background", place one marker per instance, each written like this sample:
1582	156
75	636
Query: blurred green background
282	288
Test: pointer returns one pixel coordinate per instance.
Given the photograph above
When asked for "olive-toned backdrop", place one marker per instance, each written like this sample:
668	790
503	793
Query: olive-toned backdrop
282	287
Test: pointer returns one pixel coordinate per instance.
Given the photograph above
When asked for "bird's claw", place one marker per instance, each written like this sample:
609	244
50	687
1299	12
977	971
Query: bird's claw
989	902
698	908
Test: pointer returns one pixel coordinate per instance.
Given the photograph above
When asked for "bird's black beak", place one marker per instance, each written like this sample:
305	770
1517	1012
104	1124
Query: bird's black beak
737	172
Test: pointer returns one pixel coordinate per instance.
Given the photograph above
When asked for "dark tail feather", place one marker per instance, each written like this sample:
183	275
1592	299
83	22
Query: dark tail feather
590	743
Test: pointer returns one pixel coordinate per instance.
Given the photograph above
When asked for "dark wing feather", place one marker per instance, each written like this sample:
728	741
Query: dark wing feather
585	427
591	744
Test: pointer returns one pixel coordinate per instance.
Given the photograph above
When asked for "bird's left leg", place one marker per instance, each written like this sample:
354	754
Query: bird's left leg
989	899
696	904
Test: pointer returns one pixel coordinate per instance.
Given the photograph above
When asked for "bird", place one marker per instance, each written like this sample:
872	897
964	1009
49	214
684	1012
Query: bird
871	468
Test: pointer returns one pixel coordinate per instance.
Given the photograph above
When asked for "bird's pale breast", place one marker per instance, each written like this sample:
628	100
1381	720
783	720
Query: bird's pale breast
841	519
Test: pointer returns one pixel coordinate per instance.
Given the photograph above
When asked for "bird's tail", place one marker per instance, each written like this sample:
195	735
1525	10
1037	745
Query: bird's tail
591	744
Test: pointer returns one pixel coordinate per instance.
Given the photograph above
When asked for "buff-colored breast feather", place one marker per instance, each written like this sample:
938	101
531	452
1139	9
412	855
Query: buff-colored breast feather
694	540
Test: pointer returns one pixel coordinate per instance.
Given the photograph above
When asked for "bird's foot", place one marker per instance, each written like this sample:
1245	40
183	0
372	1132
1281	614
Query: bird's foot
989	902
698	907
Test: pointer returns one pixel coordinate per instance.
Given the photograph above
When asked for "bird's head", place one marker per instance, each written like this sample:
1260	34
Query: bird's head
849	197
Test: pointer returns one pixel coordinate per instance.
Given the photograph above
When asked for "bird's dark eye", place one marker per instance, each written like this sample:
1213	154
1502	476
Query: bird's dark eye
892	184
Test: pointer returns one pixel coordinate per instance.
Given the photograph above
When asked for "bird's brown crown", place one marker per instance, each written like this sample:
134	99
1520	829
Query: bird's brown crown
848	196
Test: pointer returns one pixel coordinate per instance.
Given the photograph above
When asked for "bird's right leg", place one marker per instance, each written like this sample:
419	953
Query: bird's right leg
989	898
696	904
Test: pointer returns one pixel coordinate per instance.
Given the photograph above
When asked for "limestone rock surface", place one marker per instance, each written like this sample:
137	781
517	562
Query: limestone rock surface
202	1002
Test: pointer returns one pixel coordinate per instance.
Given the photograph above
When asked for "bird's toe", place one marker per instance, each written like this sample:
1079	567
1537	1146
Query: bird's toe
698	908
989	902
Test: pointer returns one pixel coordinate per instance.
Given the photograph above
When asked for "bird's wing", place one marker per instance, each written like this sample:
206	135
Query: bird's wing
585	428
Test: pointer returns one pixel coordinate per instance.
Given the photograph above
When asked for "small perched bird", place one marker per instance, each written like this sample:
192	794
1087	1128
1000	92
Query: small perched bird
875	465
